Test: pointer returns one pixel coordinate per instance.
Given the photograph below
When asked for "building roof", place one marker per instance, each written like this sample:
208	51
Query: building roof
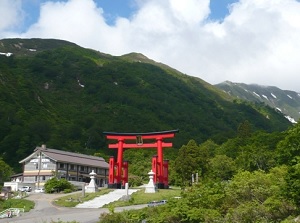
68	157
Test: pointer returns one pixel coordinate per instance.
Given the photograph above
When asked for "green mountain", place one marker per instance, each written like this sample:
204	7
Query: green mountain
57	93
284	101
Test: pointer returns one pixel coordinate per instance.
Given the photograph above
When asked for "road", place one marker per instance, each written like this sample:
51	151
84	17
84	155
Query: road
45	211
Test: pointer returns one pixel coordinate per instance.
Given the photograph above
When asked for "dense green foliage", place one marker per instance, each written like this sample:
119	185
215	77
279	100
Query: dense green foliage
58	185
64	96
251	178
5	172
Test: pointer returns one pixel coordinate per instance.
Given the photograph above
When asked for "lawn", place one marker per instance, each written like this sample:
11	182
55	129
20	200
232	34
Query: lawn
16	203
140	197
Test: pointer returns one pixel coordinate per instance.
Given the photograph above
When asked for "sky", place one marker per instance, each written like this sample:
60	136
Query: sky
244	41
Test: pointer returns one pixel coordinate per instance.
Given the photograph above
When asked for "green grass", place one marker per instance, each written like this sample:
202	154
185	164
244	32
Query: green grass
140	197
73	199
17	203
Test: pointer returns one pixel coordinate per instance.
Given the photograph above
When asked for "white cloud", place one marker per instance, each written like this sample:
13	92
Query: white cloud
11	14
258	42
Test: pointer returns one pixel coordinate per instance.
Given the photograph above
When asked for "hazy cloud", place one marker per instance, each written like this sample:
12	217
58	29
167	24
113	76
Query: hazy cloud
11	14
258	42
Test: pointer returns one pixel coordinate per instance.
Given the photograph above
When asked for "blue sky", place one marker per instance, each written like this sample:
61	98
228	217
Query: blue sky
117	8
256	41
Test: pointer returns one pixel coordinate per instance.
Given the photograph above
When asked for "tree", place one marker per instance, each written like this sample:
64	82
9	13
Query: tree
244	129
187	163
5	171
56	185
289	147
292	187
221	167
257	197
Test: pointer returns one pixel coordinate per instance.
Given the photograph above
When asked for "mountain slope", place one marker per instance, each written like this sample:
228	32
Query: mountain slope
65	96
287	102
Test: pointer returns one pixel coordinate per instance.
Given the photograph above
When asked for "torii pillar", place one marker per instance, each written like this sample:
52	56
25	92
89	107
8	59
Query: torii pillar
118	170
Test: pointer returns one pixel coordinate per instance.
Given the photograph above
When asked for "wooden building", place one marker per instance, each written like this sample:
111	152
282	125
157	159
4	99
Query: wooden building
45	163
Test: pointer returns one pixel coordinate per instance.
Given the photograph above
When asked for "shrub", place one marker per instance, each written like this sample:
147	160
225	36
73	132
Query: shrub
57	185
66	191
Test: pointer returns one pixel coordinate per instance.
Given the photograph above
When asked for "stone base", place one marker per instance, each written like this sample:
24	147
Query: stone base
150	189
91	189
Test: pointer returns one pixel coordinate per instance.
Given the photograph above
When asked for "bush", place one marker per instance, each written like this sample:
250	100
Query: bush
57	185
66	191
135	181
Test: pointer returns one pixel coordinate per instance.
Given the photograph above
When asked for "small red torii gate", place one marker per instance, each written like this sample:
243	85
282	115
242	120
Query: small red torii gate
118	170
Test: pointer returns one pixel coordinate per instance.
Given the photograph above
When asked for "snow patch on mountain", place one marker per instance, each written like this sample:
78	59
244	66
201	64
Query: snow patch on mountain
273	95
292	120
6	54
81	85
256	94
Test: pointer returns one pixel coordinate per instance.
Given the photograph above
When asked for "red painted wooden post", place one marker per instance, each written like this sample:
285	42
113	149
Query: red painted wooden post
111	175
160	161
120	161
154	168
166	174
125	173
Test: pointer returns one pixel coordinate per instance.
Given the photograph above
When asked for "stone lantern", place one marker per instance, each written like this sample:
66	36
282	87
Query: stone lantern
92	187
150	187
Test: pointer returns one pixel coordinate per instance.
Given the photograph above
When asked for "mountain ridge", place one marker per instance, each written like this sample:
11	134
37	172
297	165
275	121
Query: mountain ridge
284	101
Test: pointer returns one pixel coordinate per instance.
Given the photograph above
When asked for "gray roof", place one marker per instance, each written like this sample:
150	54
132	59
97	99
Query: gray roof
69	157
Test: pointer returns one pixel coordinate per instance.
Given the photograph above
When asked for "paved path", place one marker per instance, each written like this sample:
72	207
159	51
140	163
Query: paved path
100	201
45	211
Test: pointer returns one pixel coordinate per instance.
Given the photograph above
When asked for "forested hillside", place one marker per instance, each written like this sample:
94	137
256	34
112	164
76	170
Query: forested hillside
59	94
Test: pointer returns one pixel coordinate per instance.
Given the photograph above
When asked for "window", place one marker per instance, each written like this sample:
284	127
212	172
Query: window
81	168
72	167
62	166
99	171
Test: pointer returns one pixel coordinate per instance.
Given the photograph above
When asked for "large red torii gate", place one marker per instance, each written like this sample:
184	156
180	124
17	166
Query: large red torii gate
118	170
